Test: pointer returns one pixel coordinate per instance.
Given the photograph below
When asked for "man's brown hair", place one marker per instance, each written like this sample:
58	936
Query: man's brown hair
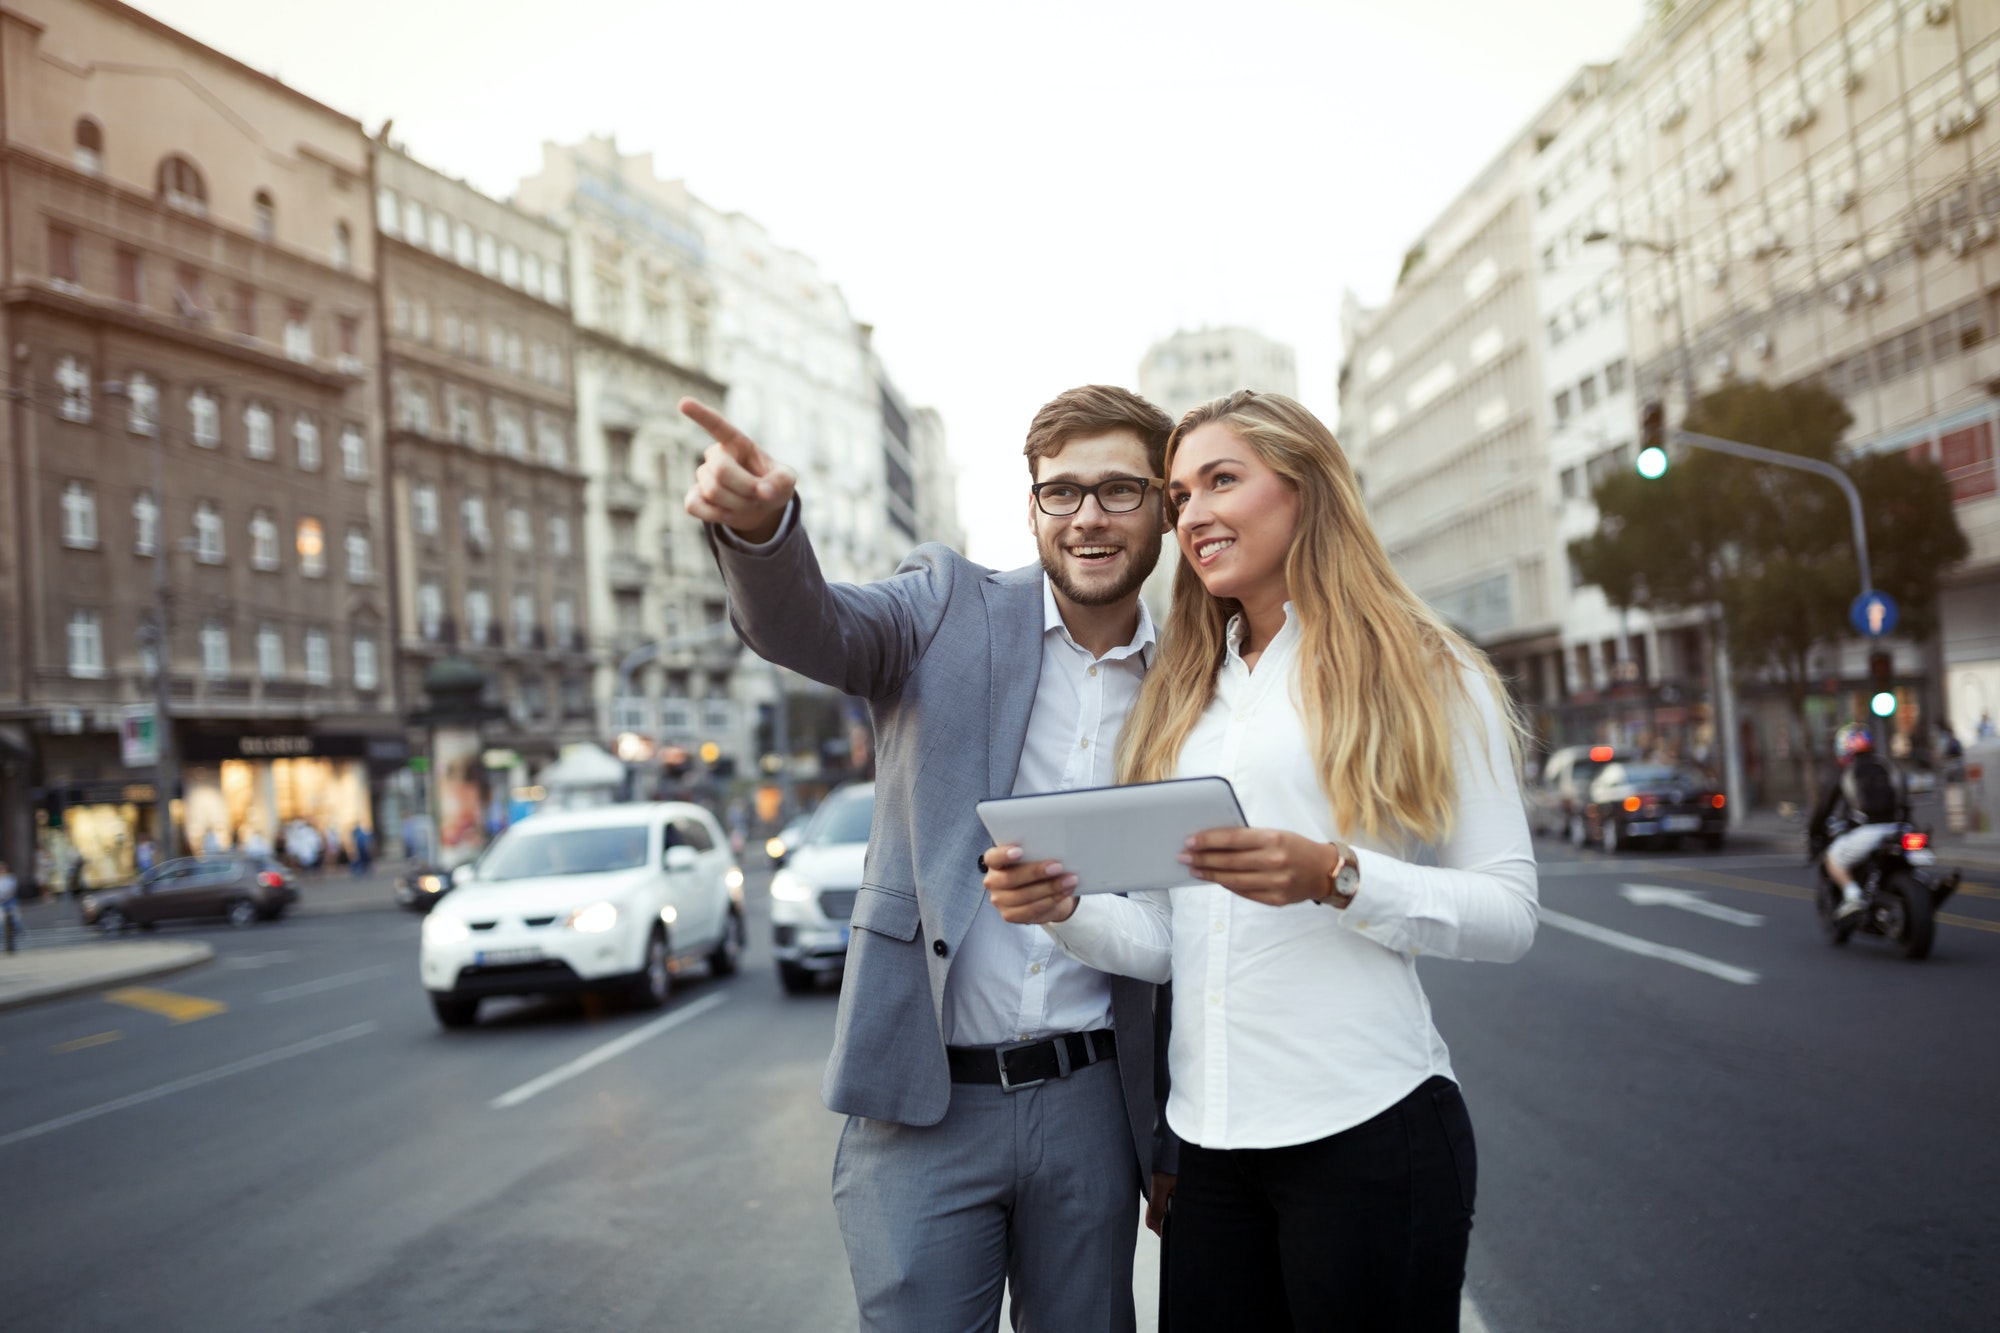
1098	409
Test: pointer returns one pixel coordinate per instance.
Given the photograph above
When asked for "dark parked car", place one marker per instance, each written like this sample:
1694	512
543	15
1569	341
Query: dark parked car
239	889
1635	803
1556	801
421	886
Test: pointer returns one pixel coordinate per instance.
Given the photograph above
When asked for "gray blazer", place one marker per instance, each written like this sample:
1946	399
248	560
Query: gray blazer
947	653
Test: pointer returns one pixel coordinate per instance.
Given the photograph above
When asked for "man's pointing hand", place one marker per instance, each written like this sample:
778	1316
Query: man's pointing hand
737	485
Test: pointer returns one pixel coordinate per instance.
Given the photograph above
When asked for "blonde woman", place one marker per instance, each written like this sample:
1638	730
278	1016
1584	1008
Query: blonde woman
1328	1175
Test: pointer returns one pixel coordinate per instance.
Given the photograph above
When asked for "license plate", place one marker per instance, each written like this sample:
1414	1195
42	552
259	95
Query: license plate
506	957
1681	823
1921	857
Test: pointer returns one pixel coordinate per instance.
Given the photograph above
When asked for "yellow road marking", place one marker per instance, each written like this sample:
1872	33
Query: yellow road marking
1979	890
1953	919
168	1004
1793	891
85	1043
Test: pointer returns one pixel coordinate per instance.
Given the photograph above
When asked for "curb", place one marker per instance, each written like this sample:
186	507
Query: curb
161	959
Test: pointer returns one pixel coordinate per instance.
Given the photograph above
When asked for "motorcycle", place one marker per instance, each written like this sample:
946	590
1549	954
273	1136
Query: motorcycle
1901	892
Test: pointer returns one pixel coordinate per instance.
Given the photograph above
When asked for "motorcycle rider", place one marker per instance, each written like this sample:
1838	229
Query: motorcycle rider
1869	800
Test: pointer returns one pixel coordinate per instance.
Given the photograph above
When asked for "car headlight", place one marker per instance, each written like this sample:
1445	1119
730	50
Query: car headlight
594	919
445	929
431	883
774	847
734	879
787	887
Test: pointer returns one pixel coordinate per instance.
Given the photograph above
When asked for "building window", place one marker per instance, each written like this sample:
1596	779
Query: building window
89	154
430	611
531	274
204	418
478	615
424	508
388	214
263	541
413	222
305	436
558	535
343	247
73	379
298	333
64	269
347	332
510	435
258	431
562	617
353	453
86	645
524	619
366	676
1586	392
510	266
311	543
189	302
420	321
551	444
246	310
145	524
142	403
1570	489
489	255
520	529
413	408
131	277
270	652
319	662
181	186
360	557
208	544
1614	377
214	649
264	216
472	515
1562	407
464	412
440	233
79	510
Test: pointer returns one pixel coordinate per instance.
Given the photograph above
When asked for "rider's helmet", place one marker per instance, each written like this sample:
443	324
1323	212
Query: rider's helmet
1851	740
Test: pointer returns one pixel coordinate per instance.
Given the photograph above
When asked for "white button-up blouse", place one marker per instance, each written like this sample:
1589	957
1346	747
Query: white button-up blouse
1292	1023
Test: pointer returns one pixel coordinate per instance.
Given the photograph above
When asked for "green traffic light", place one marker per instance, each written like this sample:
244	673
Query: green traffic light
1652	462
1883	704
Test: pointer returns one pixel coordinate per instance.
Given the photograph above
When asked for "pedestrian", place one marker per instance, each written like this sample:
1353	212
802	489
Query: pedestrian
416	847
363	851
1000	1098
10	905
1327	1167
143	856
1984	732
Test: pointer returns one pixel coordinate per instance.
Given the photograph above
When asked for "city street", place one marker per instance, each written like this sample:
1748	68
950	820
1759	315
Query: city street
1756	1131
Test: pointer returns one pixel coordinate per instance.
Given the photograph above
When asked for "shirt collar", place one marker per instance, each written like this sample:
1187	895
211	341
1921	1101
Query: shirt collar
1237	627
1143	641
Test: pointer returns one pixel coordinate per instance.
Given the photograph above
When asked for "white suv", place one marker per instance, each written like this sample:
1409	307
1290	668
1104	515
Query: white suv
812	894
615	898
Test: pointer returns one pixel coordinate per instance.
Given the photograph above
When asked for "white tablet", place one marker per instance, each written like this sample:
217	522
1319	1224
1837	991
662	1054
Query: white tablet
1114	839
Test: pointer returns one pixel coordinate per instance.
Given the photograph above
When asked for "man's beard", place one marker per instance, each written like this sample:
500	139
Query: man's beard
1141	557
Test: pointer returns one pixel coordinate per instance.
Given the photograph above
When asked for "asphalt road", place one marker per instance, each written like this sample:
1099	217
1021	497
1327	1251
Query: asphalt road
1761	1133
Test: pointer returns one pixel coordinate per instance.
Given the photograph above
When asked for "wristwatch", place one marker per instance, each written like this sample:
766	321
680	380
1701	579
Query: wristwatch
1343	880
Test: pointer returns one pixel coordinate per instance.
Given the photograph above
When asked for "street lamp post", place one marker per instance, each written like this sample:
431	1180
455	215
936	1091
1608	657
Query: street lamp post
158	633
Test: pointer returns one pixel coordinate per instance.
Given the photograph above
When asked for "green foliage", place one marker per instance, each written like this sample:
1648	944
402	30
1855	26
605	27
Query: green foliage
1773	547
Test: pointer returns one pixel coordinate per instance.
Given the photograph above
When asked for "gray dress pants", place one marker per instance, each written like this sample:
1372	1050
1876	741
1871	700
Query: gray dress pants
1038	1188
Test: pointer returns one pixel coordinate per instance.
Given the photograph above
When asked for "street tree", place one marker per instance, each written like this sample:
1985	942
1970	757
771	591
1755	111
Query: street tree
1770	546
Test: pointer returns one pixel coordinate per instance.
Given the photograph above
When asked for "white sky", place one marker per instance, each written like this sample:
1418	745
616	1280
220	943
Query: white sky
1020	197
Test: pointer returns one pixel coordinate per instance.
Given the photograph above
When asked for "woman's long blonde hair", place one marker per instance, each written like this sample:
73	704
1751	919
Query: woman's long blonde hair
1380	674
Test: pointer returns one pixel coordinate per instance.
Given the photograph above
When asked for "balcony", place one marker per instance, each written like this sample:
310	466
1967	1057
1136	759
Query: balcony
626	572
624	495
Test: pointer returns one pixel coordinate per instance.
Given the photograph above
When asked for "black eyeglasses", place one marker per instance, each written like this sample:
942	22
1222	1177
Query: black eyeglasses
1115	495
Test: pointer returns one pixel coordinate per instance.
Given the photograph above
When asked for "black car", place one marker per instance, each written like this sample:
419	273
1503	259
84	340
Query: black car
241	889
420	887
1556	799
1636	803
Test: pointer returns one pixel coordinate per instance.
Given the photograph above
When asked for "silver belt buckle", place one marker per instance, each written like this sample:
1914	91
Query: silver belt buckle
1062	1062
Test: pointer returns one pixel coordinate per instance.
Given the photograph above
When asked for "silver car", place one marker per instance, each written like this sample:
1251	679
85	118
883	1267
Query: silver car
812	894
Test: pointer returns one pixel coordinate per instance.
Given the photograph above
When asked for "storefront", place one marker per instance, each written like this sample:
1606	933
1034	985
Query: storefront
248	788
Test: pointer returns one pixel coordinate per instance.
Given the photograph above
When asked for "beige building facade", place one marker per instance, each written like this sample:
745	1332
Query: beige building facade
188	309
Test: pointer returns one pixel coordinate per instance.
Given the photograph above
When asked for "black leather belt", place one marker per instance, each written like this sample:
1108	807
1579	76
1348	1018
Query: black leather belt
1028	1064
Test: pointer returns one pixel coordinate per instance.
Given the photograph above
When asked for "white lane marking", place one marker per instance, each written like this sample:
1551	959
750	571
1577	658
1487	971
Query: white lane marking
1742	976
334	982
251	962
1468	1316
242	1066
1687	900
608	1051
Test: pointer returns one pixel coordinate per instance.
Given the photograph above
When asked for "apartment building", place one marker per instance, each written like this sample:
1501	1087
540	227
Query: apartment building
487	497
189	318
644	305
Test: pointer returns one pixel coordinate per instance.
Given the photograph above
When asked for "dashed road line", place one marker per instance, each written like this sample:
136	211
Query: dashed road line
1666	953
609	1050
154	1094
166	1003
85	1043
334	982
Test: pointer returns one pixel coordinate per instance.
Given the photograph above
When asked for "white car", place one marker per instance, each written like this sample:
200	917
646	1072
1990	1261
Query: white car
813	891
613	899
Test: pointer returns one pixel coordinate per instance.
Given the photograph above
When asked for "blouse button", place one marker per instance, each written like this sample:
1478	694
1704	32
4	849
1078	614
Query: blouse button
1093	670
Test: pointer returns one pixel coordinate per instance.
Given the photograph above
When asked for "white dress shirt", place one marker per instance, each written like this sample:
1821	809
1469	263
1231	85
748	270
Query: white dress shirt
1011	983
1293	1023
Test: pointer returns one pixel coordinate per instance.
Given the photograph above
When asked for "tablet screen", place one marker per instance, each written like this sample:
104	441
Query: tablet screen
1115	839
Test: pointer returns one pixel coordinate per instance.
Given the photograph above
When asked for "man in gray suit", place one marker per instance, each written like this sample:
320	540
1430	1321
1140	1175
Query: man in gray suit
1000	1097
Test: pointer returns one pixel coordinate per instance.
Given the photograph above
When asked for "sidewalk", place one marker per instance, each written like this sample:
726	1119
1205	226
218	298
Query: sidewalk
60	956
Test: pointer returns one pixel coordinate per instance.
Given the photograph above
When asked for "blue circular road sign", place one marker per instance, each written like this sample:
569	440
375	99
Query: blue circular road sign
1873	613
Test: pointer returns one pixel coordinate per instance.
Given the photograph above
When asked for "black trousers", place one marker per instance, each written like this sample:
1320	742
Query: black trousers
1364	1231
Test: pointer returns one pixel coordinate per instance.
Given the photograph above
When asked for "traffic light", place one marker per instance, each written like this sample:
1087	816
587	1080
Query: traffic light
1881	683
1652	460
